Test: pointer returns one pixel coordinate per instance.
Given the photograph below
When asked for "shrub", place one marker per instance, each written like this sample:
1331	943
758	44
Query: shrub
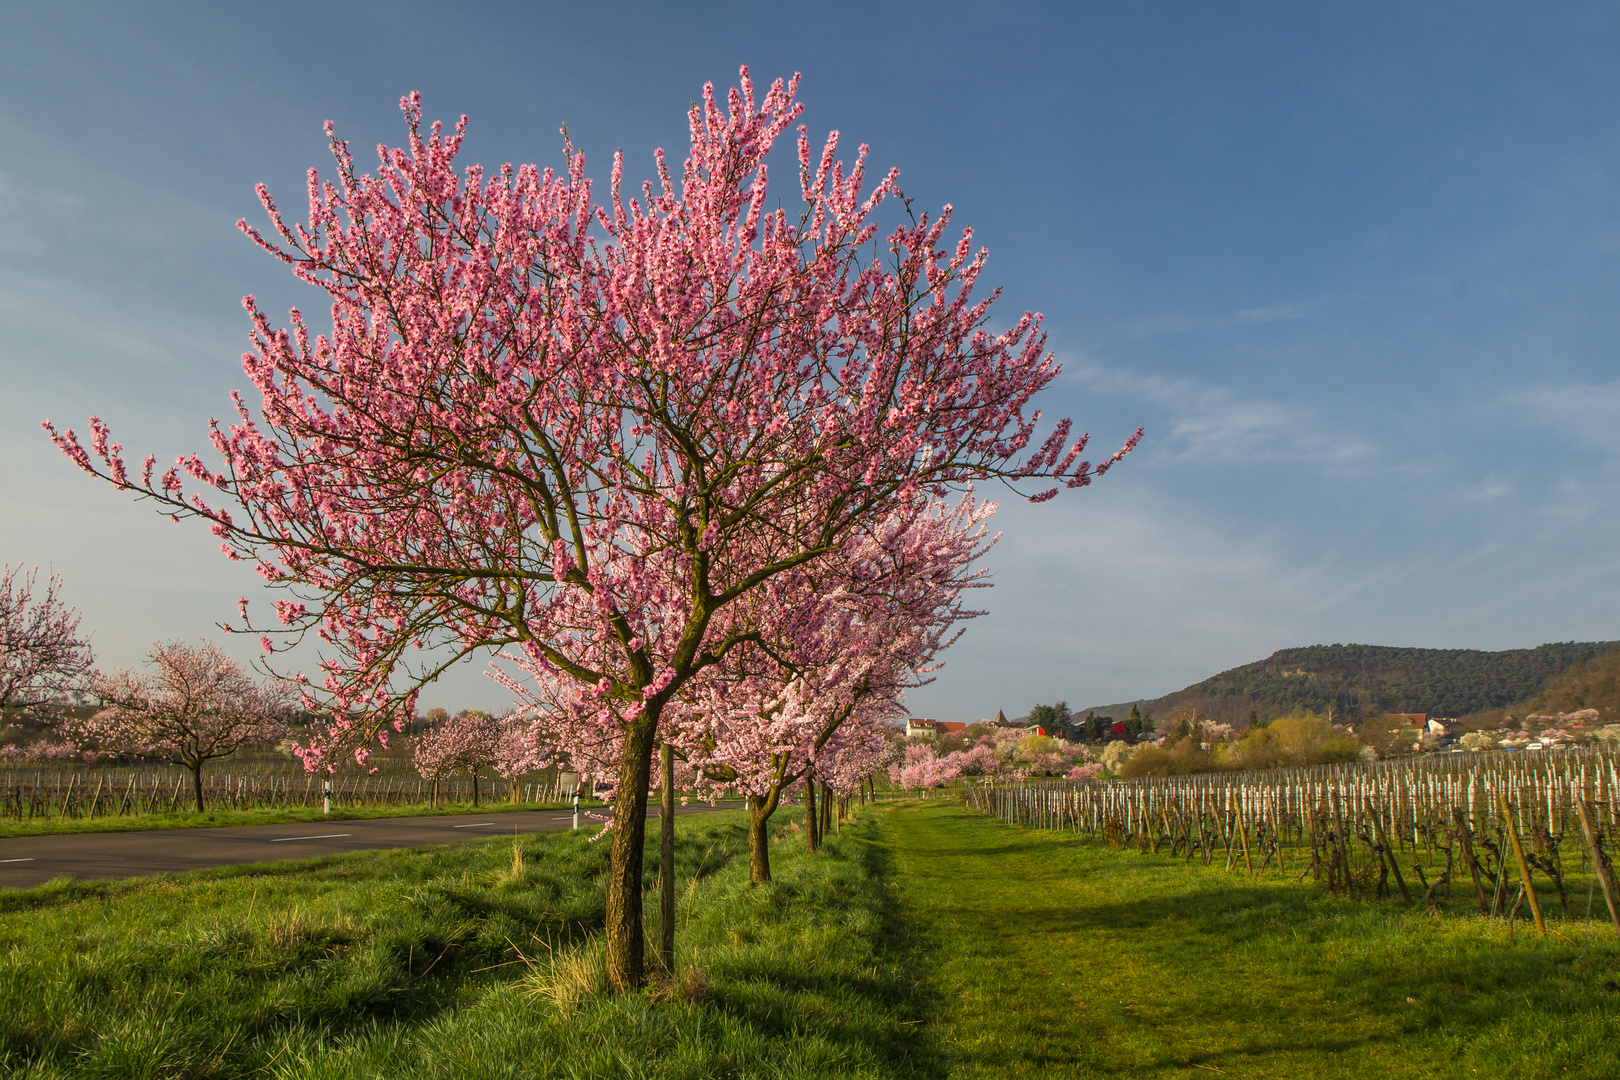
1301	739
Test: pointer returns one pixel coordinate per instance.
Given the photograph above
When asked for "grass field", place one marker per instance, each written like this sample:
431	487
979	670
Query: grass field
455	962
1050	955
924	942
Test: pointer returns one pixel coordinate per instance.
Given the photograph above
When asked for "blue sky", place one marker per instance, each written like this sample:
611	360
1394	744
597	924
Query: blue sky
1356	269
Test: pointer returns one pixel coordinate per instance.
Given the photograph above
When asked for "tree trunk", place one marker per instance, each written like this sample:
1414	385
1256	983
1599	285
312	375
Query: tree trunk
760	809
475	787
666	859
826	810
196	784
812	820
626	937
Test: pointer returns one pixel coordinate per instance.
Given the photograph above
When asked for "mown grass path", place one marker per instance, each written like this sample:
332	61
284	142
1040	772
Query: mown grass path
1049	955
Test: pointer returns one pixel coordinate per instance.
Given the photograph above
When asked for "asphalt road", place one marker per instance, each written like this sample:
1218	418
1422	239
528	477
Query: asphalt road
26	861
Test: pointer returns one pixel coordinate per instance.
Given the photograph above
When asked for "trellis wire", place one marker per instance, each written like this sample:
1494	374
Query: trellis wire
1473	820
32	794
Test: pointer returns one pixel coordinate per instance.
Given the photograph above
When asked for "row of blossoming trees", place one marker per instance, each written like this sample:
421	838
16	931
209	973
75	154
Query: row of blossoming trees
695	465
195	705
474	741
999	753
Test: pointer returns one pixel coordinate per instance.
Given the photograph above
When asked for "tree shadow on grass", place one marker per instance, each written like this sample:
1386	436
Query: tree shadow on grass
1283	973
881	997
1384	946
349	942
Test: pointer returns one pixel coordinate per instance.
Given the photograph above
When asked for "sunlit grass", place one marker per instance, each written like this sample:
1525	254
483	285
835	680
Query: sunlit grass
1053	955
465	961
925	942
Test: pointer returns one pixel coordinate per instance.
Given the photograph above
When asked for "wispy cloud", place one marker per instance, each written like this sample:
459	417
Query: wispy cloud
1212	424
1158	325
1589	412
1489	490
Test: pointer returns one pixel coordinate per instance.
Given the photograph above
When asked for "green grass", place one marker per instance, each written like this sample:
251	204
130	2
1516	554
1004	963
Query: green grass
443	962
925	942
1053	955
211	819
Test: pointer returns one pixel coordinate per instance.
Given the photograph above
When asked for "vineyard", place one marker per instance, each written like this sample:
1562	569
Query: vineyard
1508	828
30	795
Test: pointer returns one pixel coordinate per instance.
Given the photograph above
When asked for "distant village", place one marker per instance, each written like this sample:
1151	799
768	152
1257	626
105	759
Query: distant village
1388	734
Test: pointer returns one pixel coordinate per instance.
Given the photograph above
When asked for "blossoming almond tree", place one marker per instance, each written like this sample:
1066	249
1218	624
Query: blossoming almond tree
41	652
922	768
582	431
473	740
197	705
862	752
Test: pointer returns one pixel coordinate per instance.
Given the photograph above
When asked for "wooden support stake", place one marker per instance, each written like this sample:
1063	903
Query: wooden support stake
1467	836
1344	848
1243	833
1524	866
1316	862
666	859
1600	865
1394	859
1276	828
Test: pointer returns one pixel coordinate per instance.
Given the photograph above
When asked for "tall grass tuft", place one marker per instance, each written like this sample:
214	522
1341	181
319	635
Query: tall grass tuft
568	976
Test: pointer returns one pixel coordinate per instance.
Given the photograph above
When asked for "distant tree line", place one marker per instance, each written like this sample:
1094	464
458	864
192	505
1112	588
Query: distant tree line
1059	722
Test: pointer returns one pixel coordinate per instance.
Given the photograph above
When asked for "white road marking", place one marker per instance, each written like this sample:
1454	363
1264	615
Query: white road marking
474	825
16	860
323	836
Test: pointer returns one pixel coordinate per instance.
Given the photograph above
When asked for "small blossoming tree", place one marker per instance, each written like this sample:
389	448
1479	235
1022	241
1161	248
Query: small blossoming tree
196	705
473	740
41	652
834	649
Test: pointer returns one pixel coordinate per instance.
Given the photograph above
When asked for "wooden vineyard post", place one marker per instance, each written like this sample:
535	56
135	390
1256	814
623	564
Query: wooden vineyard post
1243	833
1467	836
1276	829
1316	861
1343	848
666	859
1524	866
1600	865
1394	860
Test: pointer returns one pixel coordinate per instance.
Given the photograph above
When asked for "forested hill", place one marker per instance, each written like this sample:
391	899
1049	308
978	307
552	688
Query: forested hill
1365	680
